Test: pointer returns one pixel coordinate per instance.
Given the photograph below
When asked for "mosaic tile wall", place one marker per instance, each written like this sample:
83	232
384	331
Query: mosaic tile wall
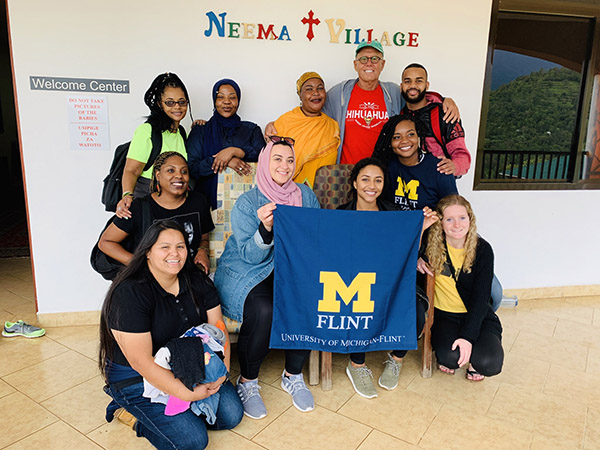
231	186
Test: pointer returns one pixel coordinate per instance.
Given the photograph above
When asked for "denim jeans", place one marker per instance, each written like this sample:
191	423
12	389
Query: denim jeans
182	431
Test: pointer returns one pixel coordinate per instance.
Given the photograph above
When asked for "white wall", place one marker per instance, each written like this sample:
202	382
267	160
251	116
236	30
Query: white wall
136	40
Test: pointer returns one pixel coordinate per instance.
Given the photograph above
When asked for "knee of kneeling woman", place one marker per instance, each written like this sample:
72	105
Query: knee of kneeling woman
189	439
487	366
447	358
198	440
230	411
234	416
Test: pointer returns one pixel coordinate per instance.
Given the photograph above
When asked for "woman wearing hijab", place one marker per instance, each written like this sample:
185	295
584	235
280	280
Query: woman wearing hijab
317	135
244	275
224	141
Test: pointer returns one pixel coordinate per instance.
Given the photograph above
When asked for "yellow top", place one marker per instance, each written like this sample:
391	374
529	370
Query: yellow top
317	140
446	295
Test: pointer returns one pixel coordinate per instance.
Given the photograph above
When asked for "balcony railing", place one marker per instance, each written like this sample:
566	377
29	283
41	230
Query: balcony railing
525	165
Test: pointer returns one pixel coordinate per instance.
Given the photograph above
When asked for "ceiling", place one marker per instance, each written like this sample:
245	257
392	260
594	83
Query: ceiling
570	7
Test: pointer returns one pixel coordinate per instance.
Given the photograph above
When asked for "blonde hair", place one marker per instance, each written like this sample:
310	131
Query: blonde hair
436	242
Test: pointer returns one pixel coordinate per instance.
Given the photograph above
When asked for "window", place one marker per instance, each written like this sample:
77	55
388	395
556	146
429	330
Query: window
533	125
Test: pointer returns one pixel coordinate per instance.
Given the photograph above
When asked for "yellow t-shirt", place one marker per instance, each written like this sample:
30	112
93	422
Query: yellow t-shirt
446	295
141	145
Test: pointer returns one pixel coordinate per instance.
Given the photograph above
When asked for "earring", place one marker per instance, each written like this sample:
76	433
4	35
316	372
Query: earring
158	189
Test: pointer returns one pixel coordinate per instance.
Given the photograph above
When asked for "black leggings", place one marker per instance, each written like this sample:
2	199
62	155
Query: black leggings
487	354
359	358
253	341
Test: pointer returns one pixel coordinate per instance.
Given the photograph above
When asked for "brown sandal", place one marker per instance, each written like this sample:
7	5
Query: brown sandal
126	418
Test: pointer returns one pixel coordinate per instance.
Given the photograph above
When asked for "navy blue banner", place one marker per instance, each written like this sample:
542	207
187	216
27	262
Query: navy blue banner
345	281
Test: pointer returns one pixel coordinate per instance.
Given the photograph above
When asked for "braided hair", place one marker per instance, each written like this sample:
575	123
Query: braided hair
383	147
158	163
152	99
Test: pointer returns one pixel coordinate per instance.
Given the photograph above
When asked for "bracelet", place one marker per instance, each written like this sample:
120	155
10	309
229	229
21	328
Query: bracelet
126	194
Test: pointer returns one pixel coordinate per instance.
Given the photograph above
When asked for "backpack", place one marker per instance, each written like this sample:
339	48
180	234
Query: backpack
436	126
112	190
104	264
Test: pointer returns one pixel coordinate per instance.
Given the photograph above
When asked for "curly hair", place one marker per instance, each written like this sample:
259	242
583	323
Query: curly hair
383	147
436	242
152	98
158	163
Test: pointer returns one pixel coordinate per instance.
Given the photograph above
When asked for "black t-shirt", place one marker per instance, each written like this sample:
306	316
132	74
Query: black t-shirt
141	305
194	216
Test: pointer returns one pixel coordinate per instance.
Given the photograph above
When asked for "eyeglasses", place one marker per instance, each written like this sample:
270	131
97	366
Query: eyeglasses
171	103
282	140
373	59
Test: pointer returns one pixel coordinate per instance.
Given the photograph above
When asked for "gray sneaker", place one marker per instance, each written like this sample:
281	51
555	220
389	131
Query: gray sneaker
389	378
20	328
254	407
294	385
362	380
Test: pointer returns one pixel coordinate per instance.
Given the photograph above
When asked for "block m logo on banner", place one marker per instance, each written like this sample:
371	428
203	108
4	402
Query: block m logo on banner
360	286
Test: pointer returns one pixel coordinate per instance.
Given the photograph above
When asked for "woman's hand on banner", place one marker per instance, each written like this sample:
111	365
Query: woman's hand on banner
265	215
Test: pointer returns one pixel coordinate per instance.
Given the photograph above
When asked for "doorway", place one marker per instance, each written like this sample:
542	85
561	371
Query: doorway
14	238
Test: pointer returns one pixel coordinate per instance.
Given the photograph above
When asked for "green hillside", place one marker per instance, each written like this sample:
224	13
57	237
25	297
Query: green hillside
534	112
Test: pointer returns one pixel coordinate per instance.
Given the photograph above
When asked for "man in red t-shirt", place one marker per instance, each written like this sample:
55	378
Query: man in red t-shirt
362	106
367	110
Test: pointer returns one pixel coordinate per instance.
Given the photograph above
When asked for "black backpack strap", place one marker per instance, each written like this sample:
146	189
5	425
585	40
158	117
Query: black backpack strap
156	147
182	133
146	215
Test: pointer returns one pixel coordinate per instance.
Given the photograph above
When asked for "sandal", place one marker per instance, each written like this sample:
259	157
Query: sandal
445	370
126	418
473	375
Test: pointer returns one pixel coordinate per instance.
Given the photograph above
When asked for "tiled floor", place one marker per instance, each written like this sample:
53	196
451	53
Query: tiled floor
548	395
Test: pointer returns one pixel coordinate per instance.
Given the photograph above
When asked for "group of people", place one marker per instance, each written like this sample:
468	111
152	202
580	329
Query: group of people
406	146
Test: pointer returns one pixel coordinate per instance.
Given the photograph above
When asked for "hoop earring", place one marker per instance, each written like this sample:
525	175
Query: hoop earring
158	189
